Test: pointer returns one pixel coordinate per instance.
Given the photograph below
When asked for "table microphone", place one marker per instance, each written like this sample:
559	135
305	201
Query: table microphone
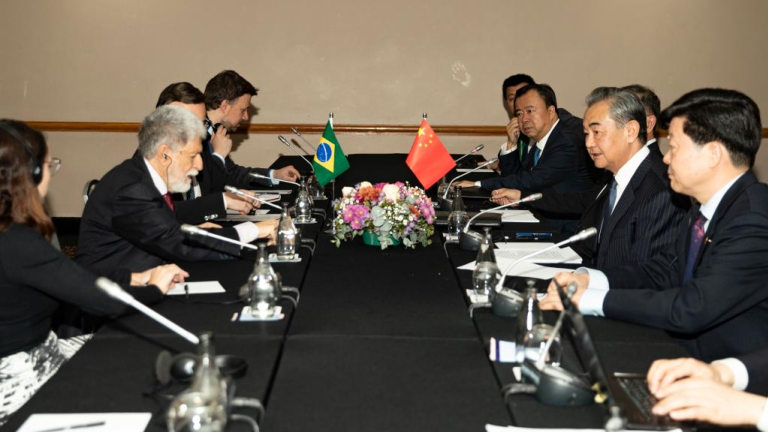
471	240
192	230
473	151
288	144
113	290
297	133
236	191
262	176
582	235
481	166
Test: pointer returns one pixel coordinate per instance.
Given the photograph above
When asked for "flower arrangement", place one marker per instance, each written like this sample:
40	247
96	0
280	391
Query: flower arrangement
392	212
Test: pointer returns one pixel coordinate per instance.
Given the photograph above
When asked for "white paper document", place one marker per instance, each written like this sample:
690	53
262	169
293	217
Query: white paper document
492	428
92	422
517	216
206	287
514	251
523	269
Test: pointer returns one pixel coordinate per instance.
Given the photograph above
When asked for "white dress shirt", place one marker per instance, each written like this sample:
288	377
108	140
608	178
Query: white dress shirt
591	302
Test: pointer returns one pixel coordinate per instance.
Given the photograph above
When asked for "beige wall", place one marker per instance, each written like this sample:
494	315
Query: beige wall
369	63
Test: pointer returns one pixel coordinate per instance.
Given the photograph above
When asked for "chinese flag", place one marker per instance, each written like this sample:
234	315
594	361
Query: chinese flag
428	159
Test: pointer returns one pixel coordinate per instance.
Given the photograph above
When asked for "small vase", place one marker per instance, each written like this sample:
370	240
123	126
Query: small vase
371	239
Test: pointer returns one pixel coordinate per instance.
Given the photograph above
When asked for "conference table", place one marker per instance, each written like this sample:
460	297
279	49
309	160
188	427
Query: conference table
381	340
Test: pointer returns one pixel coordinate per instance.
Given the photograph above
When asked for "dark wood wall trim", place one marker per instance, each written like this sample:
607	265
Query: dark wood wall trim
284	128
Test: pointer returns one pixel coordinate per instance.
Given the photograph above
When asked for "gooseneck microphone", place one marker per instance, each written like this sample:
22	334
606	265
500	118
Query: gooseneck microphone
483	165
236	191
582	235
297	133
288	144
192	230
113	290
471	240
261	176
473	151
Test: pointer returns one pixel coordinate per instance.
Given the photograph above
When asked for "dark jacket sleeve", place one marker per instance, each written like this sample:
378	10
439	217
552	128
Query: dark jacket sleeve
732	281
568	205
35	263
142	218
199	210
556	165
238	175
755	362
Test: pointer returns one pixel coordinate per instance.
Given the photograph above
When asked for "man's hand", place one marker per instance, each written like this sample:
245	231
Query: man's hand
513	132
240	203
209	225
221	142
505	196
663	373
553	300
707	400
464	184
268	229
166	276
287	173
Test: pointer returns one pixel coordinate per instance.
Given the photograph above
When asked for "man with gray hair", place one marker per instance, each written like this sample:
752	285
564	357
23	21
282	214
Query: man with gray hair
129	221
636	213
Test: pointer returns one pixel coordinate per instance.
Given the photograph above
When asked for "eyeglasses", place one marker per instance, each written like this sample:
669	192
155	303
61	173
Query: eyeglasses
54	165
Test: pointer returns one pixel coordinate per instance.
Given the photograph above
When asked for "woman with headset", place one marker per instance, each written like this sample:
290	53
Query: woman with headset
35	277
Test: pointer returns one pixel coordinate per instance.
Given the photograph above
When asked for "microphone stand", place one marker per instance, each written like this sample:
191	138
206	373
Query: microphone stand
473	151
113	290
445	203
193	230
287	144
297	133
260	176
471	240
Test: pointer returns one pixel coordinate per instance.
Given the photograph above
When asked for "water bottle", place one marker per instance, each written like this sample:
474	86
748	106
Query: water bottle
458	217
529	316
486	274
303	204
287	236
263	286
203	406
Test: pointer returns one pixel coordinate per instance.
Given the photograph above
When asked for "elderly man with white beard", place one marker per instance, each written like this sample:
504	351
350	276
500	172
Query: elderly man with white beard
130	222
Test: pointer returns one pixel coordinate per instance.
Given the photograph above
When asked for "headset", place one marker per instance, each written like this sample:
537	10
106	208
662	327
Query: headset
34	165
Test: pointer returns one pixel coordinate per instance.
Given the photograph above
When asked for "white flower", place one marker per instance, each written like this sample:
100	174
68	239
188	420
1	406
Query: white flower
392	192
347	191
364	184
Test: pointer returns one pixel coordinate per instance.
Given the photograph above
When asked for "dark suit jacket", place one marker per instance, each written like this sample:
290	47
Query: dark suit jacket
644	223
755	362
215	175
655	148
563	167
722	310
127	223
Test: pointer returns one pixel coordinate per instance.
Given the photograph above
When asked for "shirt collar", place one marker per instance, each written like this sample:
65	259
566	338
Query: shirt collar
627	171
650	142
160	185
541	143
709	208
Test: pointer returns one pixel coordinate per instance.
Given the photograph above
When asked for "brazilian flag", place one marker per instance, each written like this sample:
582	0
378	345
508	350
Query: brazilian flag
329	160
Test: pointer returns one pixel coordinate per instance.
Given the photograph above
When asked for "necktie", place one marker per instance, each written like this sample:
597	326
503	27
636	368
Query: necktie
537	152
170	203
609	207
697	235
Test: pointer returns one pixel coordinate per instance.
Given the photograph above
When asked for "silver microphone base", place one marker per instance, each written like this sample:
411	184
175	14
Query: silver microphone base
470	240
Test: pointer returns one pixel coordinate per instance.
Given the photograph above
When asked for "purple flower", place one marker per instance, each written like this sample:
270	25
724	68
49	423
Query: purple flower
356	215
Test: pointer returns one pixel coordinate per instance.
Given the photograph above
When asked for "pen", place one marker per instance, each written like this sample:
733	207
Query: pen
186	291
77	426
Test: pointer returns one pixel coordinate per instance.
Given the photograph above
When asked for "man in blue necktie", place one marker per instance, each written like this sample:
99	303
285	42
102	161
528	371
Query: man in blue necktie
713	295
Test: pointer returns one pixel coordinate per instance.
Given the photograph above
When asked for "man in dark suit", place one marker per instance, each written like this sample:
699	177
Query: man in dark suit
651	102
713	295
228	99
637	214
556	160
516	146
210	206
129	220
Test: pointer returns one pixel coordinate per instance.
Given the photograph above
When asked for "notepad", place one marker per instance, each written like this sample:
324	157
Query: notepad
90	422
514	251
517	216
206	287
522	269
